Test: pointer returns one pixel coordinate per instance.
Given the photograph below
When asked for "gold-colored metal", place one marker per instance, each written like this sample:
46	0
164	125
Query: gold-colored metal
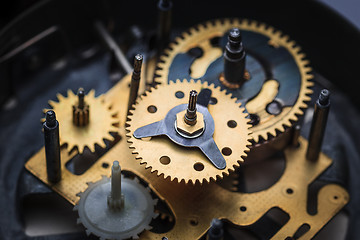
81	109
103	122
189	164
194	206
185	128
201	35
233	85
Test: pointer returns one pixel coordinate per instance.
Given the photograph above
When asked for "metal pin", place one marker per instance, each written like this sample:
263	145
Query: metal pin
110	43
135	81
216	231
296	135
234	58
81	95
52	147
164	24
81	111
115	200
318	125
190	115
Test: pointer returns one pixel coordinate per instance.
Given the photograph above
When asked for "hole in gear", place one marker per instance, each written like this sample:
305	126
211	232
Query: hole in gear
232	124
179	94
152	109
226	151
165	160
198	166
196	52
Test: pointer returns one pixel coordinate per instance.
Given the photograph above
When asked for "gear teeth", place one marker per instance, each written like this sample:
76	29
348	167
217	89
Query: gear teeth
70	93
135	236
148	228
88	232
51	103
78	221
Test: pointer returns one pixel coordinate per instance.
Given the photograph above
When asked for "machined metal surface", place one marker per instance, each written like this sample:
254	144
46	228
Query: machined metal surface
276	66
217	142
103	121
201	203
47	54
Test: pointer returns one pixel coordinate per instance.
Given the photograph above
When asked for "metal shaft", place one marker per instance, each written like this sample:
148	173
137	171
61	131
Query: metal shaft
81	110
135	81
234	58
216	231
81	95
190	115
296	135
318	125
164	24
52	147
116	180
110	43
115	200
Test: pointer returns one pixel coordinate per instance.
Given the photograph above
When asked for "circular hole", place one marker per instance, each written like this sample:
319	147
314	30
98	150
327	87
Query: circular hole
254	119
198	166
243	208
152	109
213	101
289	191
105	165
336	197
215	41
196	52
165	160
226	151
179	94
194	222
232	124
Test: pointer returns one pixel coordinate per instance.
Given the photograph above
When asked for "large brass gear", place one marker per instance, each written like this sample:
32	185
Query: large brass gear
201	35
103	121
169	159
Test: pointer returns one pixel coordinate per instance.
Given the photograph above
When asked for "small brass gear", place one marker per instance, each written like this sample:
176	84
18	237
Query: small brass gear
102	122
231	134
197	54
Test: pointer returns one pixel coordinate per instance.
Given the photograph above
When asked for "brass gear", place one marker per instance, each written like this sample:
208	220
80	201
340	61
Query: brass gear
169	159
102	122
201	35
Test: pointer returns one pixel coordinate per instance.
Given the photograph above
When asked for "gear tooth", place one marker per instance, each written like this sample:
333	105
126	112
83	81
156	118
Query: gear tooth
135	236
236	21
92	93
110	137
88	232
155	215
308	69
147	228
155	201
102	144
70	93
78	221
76	207
60	97
52	103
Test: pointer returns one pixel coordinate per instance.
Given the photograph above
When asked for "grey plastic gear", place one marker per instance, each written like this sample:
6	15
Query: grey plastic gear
130	221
